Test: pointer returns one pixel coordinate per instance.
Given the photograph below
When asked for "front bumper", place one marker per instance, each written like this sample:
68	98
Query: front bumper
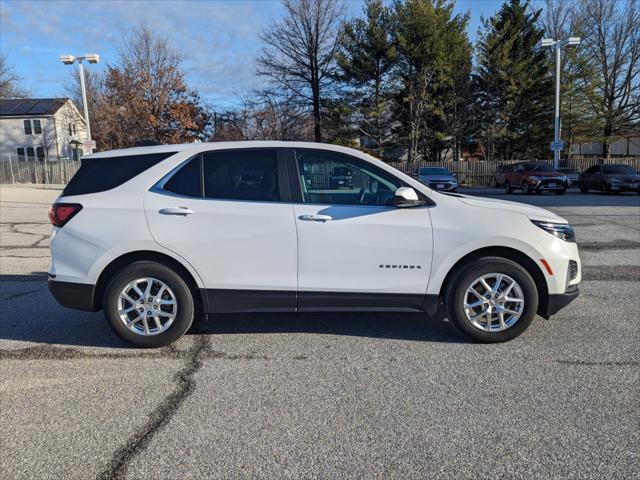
625	187
78	296
557	302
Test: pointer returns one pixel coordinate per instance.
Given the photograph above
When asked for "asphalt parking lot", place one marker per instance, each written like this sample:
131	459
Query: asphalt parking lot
324	395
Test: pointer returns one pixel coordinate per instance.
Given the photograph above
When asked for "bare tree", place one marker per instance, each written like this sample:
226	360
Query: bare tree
299	53
10	82
612	42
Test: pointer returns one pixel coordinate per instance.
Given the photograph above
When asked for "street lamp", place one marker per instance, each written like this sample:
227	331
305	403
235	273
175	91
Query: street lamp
91	58
556	146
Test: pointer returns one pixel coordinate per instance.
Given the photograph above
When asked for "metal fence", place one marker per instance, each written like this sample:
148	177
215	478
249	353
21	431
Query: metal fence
18	171
470	173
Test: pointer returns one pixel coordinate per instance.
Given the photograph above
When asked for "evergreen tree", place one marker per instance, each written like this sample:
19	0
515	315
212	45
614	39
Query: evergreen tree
429	41
514	86
366	59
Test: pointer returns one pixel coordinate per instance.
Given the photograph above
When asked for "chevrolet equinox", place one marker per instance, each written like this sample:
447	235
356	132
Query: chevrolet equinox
157	236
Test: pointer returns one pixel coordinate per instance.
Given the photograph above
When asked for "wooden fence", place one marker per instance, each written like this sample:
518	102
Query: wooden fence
38	172
477	173
470	173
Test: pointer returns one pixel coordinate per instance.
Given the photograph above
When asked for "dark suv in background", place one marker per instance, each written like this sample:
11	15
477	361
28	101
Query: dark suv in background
535	177
610	179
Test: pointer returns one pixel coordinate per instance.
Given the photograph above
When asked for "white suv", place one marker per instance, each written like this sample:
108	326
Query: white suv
158	236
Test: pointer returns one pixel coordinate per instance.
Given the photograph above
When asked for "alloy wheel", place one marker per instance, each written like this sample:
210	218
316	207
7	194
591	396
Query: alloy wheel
147	306
493	302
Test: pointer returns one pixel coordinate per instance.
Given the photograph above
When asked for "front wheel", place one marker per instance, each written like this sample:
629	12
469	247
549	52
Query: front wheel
149	304
583	187
507	187
491	300
605	189
526	189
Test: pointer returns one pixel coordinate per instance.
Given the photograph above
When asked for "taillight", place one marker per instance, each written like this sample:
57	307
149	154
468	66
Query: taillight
61	213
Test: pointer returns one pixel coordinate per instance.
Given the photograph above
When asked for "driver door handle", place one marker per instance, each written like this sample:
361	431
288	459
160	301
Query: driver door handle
176	211
316	218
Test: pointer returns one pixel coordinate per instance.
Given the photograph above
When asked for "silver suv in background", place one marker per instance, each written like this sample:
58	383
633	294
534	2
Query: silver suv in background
437	178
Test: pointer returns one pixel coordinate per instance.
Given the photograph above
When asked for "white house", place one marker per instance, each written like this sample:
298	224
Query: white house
40	128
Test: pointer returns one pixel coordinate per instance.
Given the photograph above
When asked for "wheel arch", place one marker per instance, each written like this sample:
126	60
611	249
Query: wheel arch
118	263
511	254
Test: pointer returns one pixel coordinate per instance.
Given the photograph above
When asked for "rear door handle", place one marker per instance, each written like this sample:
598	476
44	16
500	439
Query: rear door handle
316	218
176	211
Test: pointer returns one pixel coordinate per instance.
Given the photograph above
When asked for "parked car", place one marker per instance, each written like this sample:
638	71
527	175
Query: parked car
159	236
610	179
499	176
438	178
572	174
535	177
341	177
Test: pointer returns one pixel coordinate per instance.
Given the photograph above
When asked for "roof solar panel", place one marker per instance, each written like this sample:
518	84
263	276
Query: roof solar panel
42	106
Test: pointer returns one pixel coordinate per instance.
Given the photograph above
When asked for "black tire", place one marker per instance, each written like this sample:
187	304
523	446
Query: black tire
561	192
583	188
507	187
494	182
183	296
605	189
526	189
462	279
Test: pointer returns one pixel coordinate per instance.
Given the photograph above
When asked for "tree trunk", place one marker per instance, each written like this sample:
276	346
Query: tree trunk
317	129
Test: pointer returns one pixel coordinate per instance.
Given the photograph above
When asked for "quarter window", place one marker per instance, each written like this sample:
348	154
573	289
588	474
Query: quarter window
188	180
249	174
336	179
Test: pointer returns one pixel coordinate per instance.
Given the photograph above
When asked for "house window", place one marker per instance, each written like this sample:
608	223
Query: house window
40	153
74	128
20	152
74	154
27	127
31	154
37	127
70	129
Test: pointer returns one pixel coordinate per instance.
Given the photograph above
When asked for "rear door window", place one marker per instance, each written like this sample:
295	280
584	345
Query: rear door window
250	174
102	174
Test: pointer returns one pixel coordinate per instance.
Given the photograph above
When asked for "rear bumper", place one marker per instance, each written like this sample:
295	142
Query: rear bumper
557	302
78	296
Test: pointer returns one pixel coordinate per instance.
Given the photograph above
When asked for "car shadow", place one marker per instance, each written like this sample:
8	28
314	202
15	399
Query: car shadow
29	313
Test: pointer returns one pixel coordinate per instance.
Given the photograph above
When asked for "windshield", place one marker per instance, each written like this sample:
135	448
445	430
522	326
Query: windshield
434	171
544	167
617	169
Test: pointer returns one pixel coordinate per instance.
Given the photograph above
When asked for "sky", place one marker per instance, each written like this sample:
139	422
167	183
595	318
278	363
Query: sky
218	39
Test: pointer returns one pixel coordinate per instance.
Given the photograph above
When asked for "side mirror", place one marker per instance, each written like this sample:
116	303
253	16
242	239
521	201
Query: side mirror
406	197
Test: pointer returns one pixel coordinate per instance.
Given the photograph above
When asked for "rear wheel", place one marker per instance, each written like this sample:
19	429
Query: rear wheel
149	304
605	189
507	187
491	299
526	189
583	188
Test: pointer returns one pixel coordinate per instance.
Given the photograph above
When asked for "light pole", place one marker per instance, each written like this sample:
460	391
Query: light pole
91	58
556	146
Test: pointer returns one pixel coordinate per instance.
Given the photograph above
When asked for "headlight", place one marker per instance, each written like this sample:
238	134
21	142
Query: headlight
560	230
562	178
615	180
534	178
